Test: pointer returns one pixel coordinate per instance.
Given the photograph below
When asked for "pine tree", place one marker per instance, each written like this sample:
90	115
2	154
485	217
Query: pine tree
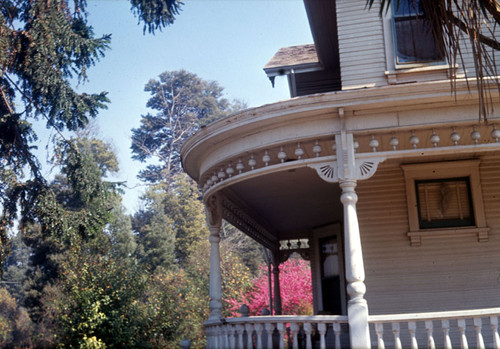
181	103
45	47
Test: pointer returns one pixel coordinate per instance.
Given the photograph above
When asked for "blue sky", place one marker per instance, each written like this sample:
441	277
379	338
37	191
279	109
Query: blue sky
227	40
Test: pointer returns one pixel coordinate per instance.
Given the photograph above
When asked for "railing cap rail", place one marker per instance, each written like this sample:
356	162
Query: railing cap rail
279	319
440	315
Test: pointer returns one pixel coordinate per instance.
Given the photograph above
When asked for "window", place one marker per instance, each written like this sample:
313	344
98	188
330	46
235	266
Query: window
444	203
444	198
413	38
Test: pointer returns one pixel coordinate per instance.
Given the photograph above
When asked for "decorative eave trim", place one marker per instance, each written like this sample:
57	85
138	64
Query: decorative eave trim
362	161
237	217
362	101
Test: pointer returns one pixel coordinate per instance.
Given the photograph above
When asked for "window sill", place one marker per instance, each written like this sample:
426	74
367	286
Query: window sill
416	236
410	69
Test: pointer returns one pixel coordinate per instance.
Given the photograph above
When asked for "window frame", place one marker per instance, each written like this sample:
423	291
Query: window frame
402	73
450	222
401	17
444	170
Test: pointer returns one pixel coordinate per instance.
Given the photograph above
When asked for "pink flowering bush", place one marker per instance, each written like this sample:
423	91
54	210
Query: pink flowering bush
296	290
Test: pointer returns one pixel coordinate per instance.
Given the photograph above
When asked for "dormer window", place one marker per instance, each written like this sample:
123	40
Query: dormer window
414	42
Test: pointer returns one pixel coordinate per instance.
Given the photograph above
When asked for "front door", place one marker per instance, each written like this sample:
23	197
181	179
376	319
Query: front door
330	271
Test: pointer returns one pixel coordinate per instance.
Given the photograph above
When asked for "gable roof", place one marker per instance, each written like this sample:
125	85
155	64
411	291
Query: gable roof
311	68
293	56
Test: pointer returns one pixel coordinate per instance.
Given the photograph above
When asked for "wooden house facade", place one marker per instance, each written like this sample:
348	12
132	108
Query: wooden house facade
379	174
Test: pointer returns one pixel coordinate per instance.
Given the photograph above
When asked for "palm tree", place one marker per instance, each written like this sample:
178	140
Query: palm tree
459	23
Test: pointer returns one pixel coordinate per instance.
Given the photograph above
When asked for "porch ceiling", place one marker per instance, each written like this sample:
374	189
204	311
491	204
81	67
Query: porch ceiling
289	202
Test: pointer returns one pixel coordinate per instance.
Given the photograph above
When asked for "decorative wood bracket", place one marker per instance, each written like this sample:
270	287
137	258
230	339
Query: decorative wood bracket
365	168
327	171
348	166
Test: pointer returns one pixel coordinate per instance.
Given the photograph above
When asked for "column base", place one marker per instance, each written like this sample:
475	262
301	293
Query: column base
359	331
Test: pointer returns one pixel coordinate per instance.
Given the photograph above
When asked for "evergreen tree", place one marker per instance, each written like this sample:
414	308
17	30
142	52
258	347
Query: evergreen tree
119	229
155	233
16	268
72	211
45	46
171	223
181	103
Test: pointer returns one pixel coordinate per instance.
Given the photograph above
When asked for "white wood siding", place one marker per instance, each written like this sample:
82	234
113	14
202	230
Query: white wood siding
361	45
444	273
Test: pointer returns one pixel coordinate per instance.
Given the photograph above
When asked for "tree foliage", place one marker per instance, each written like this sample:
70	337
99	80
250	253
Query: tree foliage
181	103
96	300
73	210
170	224
15	325
464	25
156	14
46	46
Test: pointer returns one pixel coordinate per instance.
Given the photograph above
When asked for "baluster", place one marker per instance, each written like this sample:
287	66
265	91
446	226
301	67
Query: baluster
269	329
478	324
308	331
445	325
337	331
232	340
208	333
412	328
249	329
239	330
494	328
463	338
216	336
379	329
397	340
429	327
322	332
258	331
295	332
225	333
282	330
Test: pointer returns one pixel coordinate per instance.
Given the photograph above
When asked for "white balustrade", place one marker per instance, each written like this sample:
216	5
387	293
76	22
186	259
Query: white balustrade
286	331
449	329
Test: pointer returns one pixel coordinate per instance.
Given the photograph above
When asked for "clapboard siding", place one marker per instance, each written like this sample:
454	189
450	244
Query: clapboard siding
360	30
443	273
362	53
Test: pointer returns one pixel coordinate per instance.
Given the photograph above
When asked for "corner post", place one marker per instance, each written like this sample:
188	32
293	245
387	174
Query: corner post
213	208
277	288
357	307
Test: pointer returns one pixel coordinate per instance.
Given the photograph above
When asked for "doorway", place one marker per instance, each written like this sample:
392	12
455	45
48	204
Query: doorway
329	271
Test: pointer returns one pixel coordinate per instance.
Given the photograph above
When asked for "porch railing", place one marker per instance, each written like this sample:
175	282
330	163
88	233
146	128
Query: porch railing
449	329
286	331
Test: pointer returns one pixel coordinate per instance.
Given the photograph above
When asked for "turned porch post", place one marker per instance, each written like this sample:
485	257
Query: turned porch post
214	220
277	287
357	307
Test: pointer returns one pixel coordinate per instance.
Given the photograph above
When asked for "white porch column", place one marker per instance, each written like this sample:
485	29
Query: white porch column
357	307
214	221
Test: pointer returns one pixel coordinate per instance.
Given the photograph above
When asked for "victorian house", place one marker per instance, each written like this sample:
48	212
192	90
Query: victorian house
374	170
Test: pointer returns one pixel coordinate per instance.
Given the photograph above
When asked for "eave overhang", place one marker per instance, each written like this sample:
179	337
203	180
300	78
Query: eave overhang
316	116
